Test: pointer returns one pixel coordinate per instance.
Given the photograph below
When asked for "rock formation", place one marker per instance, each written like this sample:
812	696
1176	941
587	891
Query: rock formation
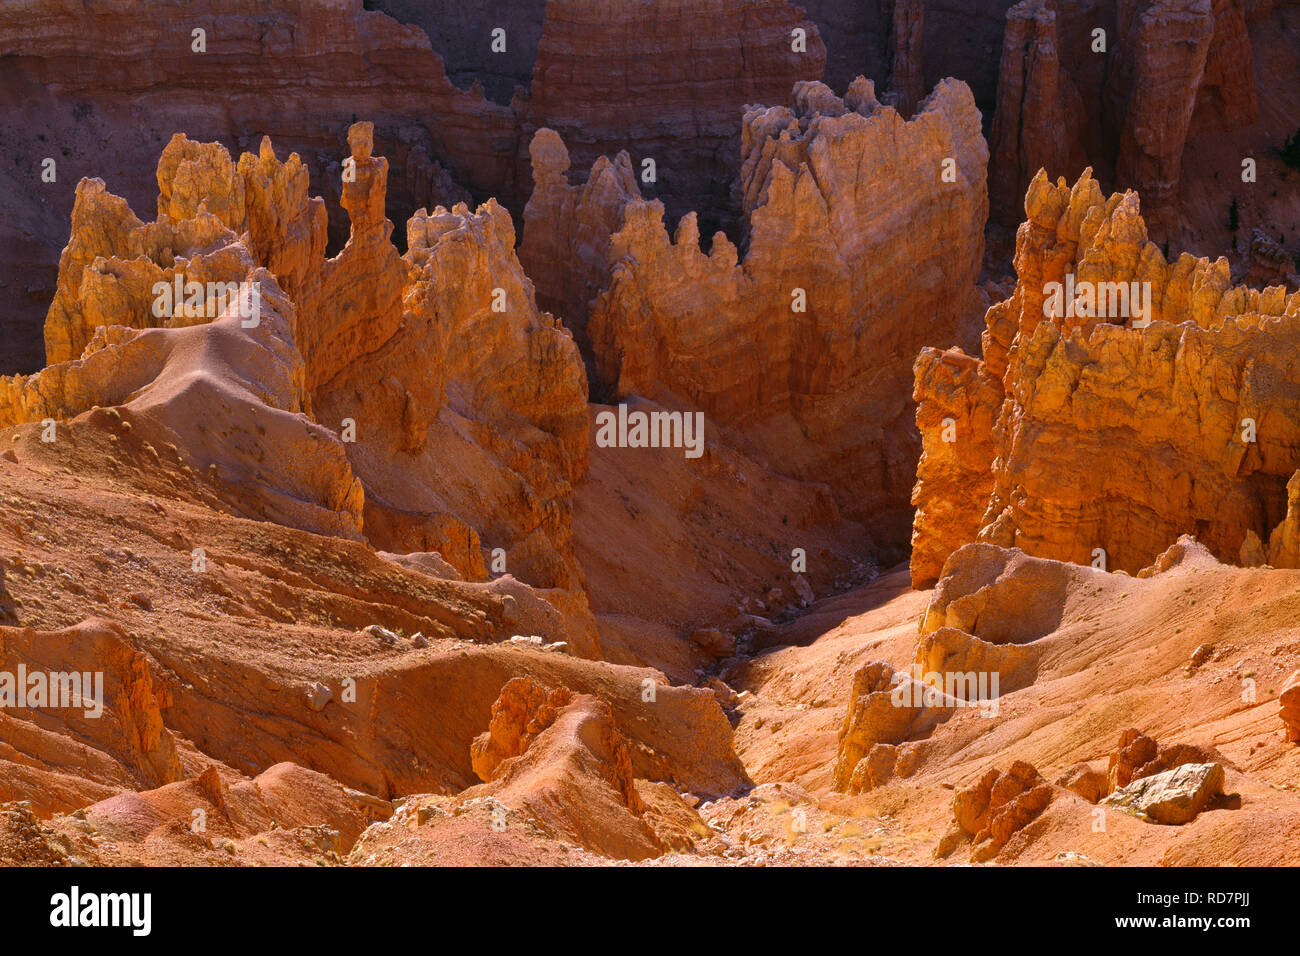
232	396
567	229
522	712
958	400
1172	797
301	72
881	39
1004	596
1202	445
1163	48
906	74
1268	263
112	262
1290	701
316	547
1040	114
1137	756
522	386
116	724
327	67
558	759
787	349
366	315
995	808
884	708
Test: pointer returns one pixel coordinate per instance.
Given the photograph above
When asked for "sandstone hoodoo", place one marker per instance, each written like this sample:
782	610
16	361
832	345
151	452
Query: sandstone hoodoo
1190	406
794	347
658	434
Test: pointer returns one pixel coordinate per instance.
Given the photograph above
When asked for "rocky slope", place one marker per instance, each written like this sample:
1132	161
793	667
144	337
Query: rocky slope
1105	681
278	706
279	648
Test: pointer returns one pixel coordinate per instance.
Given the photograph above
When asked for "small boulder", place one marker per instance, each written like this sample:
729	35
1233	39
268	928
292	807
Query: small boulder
318	695
994	809
380	633
1199	656
874	770
1135	749
1173	797
803	590
1141	756
725	694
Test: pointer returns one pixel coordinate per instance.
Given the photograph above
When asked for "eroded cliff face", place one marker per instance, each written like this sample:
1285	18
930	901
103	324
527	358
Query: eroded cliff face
1168	408
799	352
1163	49
465	36
339	58
1040	117
907	68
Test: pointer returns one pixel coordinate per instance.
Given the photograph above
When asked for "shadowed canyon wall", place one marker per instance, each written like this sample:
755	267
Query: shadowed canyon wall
1167	97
